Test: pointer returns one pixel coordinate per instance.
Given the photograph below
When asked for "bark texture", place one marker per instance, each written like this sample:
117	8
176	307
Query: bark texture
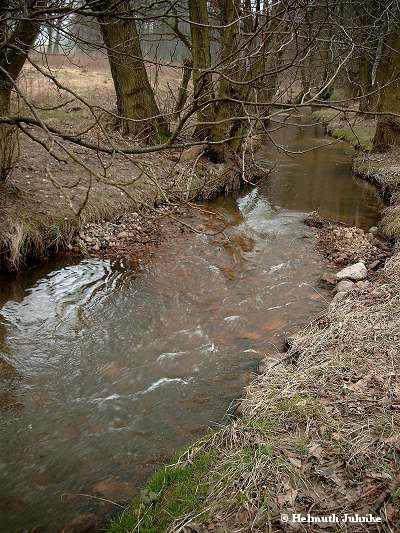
387	133
136	103
201	54
16	44
232	67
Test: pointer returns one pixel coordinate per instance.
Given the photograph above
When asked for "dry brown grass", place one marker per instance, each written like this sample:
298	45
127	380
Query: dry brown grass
319	431
46	201
90	78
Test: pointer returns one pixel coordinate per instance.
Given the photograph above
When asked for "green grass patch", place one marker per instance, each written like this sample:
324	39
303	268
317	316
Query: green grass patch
174	491
325	115
360	136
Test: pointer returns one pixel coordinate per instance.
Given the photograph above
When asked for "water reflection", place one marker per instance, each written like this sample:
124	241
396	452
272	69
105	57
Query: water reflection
318	179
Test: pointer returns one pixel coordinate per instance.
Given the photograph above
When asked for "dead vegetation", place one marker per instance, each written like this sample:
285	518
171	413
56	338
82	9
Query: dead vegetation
343	246
40	217
384	171
318	431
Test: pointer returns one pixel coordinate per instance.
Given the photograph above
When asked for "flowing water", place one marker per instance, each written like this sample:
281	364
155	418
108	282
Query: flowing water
105	372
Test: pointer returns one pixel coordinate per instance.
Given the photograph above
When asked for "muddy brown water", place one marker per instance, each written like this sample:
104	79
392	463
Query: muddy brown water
105	372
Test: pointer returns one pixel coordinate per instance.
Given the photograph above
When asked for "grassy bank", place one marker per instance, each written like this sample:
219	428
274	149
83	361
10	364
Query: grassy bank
357	132
317	430
383	170
318	433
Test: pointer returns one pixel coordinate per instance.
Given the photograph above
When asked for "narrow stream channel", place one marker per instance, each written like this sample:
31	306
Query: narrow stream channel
105	372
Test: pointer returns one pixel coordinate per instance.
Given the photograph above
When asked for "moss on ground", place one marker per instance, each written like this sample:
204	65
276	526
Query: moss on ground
174	491
359	135
325	115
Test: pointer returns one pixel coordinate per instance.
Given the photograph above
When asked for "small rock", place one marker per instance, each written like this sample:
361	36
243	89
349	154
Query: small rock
361	284
340	296
314	220
239	410
123	235
113	489
84	523
356	272
344	286
374	230
374	265
192	153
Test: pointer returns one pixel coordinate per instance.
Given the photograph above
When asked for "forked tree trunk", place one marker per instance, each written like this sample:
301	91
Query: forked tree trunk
136	103
201	54
387	133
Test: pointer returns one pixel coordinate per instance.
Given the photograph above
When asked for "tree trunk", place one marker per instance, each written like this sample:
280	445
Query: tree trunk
387	133
136	103
57	39
8	135
202	80
13	53
183	89
49	39
226	110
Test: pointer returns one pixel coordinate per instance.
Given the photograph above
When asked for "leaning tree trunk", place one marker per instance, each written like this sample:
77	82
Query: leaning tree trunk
136	102
203	90
387	133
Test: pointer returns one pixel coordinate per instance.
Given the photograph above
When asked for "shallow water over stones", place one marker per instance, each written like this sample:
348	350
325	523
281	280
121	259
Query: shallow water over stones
105	372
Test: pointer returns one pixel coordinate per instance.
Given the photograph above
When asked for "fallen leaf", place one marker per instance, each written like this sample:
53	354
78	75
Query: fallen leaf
316	450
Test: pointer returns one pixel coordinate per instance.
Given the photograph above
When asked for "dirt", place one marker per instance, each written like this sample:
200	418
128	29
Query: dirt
49	198
132	237
343	245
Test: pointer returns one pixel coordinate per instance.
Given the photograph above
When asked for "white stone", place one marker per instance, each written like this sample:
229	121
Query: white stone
356	272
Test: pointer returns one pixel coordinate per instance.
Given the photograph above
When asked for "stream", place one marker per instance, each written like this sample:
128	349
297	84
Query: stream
105	372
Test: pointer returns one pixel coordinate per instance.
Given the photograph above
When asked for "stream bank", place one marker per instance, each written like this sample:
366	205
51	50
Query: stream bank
382	170
107	371
316	431
43	216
